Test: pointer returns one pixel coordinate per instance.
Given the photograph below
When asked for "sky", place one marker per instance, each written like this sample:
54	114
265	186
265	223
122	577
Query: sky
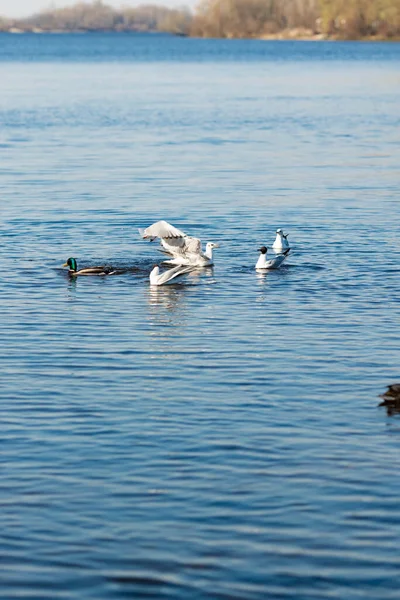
24	8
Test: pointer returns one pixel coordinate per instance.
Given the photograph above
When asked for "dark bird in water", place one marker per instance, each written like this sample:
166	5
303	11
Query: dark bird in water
391	399
74	272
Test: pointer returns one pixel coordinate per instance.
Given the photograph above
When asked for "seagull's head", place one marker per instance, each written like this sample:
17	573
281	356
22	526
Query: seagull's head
146	236
263	249
279	231
212	245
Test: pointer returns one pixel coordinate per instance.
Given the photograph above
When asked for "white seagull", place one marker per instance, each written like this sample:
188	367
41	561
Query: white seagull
281	242
157	278
183	249
274	263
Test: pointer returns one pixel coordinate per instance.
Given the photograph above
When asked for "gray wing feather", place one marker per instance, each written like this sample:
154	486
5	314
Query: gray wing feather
164	230
173	240
172	273
192	245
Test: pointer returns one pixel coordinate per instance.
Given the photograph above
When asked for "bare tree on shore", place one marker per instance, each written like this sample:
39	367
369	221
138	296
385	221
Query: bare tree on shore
347	19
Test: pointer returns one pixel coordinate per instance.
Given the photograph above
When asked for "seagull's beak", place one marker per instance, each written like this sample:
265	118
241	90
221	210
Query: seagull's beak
145	236
65	265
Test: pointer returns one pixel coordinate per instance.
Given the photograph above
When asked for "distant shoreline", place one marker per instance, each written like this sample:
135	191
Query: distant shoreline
303	20
281	36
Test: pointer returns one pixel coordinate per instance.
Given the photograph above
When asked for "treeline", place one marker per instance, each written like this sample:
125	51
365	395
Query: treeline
254	18
97	16
352	19
341	19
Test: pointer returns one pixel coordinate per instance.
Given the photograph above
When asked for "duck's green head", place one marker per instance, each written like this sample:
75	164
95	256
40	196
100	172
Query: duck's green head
71	263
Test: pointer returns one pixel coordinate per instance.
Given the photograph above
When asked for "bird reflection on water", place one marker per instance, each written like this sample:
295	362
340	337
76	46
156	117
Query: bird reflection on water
262	276
167	303
201	273
168	297
73	286
167	309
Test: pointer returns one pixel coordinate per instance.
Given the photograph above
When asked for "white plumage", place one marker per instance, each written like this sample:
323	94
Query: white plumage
273	263
281	242
157	278
183	249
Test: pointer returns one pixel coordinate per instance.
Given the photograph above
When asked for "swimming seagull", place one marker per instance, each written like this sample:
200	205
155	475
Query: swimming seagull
160	279
183	249
274	263
281	242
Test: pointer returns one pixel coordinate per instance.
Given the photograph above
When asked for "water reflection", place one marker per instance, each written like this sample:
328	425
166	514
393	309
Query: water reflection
201	273
71	286
72	283
167	309
166	296
168	303
262	276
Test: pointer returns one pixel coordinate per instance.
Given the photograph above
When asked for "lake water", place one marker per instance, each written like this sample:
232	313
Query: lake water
220	437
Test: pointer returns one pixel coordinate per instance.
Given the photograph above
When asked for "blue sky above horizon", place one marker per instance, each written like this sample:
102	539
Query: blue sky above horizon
24	8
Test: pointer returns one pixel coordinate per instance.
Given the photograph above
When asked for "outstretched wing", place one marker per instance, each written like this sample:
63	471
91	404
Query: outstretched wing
163	230
173	240
182	247
192	245
172	273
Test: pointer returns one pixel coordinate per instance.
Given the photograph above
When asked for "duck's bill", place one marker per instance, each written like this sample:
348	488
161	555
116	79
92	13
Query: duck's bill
65	265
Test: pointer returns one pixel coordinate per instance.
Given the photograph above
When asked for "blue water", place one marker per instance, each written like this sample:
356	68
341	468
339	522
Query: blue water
219	437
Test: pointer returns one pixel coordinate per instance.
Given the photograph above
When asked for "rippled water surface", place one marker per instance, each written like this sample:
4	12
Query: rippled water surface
218	437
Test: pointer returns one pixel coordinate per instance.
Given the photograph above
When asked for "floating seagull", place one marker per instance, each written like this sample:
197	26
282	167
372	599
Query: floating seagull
281	242
183	249
274	263
160	279
73	269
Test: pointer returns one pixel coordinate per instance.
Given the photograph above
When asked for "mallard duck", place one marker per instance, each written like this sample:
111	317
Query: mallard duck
73	269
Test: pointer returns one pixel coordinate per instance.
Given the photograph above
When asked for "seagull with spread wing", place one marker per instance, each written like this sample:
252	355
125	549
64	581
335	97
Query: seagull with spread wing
181	248
157	278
